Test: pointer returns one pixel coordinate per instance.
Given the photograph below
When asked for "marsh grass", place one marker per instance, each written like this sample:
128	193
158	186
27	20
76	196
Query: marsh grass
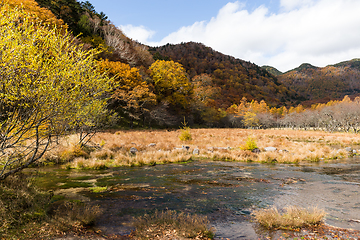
293	146
291	218
172	225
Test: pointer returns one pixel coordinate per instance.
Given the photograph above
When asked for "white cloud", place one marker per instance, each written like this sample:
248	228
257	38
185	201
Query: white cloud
288	5
139	33
320	32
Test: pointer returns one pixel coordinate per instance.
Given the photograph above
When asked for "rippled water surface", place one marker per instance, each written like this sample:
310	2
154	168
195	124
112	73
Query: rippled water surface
227	192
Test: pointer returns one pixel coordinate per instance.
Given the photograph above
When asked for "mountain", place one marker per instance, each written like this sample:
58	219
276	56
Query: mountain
303	67
272	70
235	77
330	82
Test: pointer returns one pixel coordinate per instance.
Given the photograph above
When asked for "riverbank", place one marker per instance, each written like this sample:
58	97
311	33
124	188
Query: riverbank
150	147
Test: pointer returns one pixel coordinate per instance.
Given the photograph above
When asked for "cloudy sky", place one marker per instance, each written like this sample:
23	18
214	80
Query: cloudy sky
279	33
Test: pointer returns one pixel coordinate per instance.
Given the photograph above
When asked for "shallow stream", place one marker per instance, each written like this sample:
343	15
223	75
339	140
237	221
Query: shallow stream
227	192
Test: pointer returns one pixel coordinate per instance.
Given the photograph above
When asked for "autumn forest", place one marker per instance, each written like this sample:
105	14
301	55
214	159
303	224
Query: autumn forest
159	86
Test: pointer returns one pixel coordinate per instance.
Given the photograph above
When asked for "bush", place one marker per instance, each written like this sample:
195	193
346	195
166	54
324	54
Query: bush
185	134
250	144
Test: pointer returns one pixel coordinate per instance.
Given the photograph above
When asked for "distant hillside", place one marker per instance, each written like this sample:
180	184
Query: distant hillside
303	67
272	70
330	82
235	77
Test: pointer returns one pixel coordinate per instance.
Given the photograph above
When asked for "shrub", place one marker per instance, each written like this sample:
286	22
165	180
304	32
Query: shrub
74	152
185	134
250	144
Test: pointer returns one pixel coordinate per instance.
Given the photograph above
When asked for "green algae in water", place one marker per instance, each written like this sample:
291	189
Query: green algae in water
109	181
98	189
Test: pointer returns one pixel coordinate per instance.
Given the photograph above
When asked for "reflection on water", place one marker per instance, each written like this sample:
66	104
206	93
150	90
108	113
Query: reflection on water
227	192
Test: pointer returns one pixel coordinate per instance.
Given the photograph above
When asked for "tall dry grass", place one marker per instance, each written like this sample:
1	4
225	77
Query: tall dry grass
172	225
293	146
292	217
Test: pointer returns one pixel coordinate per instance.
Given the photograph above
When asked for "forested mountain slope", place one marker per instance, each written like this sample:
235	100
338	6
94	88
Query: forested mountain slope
97	31
236	78
330	82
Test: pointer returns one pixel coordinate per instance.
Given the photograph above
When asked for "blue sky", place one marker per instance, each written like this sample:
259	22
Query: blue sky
280	33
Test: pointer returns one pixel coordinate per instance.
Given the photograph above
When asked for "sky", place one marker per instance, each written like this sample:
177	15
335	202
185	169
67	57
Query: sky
279	33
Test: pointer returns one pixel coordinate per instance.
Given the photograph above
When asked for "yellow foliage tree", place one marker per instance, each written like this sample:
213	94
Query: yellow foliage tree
49	85
250	120
171	82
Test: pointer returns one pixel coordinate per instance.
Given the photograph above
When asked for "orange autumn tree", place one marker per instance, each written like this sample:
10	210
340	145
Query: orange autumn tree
204	94
38	13
131	95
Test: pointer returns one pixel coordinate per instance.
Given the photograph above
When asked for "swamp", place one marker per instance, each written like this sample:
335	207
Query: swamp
223	181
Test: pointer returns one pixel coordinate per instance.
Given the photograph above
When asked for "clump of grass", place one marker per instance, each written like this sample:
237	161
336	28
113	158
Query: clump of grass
69	213
250	144
74	152
82	163
291	218
173	224
185	134
103	154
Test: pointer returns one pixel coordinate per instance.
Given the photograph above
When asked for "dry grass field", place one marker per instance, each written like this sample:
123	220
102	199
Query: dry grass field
162	146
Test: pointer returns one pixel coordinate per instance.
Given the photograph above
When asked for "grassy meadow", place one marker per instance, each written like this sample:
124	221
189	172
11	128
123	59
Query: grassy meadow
112	149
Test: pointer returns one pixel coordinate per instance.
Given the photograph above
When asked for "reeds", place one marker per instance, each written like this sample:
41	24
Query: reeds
172	225
291	218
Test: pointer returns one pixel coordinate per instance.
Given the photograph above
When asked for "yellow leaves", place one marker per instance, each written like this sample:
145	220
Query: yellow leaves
132	92
171	82
250	119
124	75
43	69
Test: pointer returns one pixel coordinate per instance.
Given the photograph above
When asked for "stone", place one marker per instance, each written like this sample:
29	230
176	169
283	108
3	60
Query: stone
283	151
133	150
256	150
349	149
196	151
186	148
152	145
270	149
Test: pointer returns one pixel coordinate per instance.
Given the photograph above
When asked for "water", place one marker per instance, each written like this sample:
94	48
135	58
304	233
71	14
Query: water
227	192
